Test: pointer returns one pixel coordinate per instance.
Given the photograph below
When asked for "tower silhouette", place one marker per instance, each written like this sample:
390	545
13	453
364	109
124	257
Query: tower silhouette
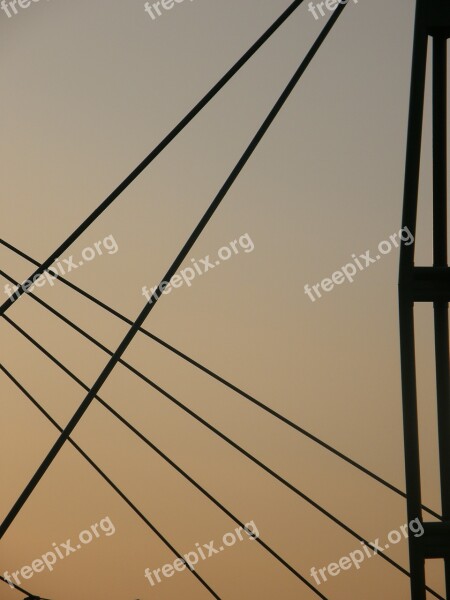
427	284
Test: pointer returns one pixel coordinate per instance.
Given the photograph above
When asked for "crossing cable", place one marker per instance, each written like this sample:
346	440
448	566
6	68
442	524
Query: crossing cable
171	463
109	481
217	377
128	366
30	596
157	151
78	415
314	504
60	365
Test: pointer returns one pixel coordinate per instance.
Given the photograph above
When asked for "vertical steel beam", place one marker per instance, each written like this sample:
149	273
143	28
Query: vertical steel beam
432	18
406	301
440	258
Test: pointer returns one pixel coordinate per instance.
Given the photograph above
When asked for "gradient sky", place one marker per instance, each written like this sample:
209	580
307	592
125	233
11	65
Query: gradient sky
88	89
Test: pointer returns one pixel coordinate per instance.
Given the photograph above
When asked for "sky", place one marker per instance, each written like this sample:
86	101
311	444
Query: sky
88	90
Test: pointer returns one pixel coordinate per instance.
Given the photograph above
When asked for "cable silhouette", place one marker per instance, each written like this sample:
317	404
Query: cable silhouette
314	504
30	596
170	462
215	376
136	372
108	480
157	151
136	326
78	415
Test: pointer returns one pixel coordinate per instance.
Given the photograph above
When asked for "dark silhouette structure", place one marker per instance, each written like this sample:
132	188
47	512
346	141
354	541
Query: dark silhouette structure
427	284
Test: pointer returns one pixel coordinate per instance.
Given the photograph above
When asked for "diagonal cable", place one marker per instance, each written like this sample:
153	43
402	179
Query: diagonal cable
132	369
217	377
78	415
314	504
157	151
216	431
109	481
169	461
20	589
136	372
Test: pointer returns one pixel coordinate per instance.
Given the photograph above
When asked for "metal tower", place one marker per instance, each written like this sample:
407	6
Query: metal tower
427	284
